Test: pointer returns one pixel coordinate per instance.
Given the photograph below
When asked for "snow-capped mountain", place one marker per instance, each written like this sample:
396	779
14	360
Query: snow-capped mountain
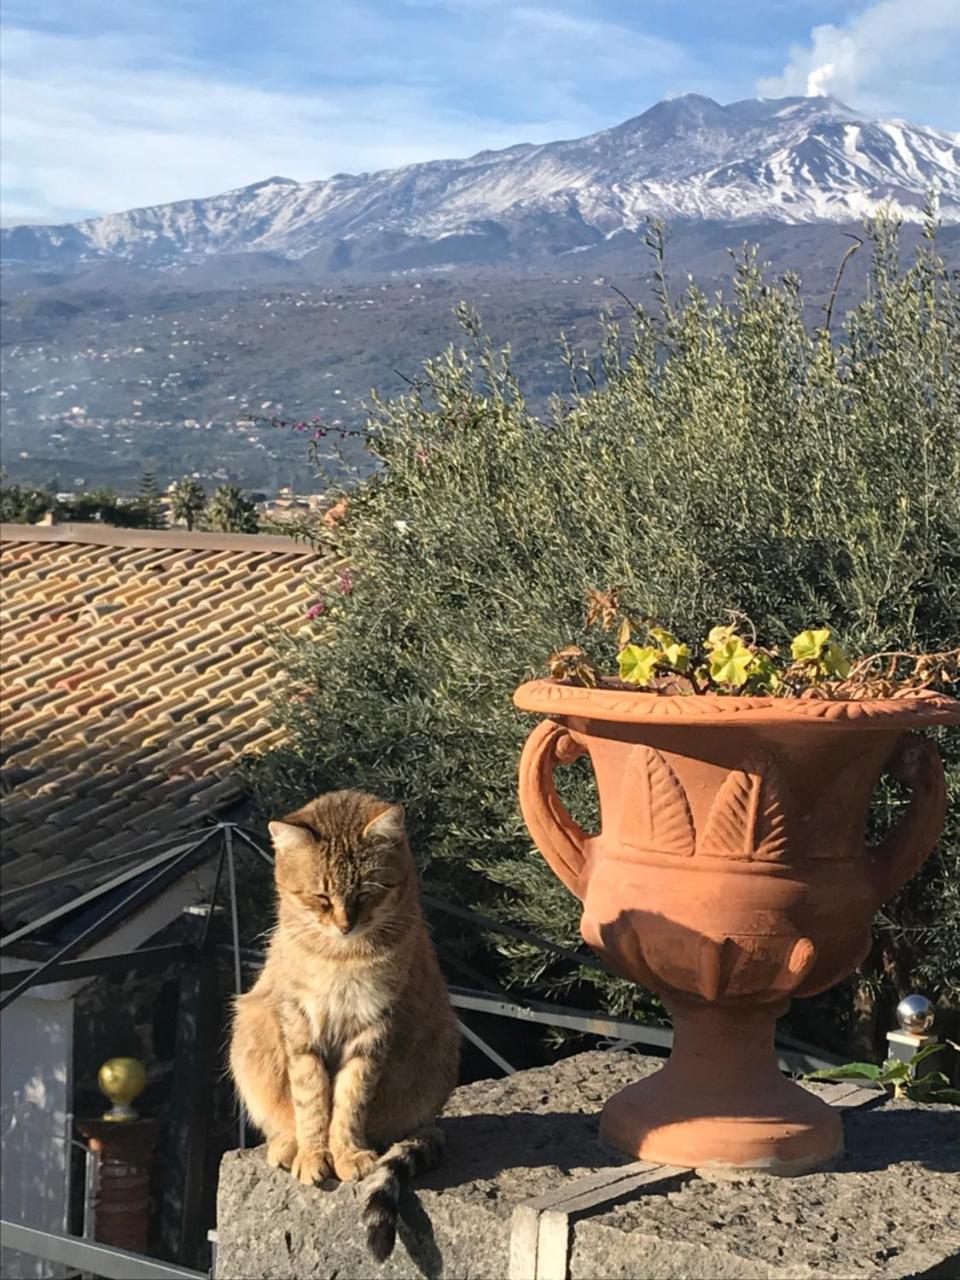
791	160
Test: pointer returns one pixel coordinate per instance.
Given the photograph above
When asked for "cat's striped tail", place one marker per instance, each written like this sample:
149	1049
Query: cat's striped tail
397	1166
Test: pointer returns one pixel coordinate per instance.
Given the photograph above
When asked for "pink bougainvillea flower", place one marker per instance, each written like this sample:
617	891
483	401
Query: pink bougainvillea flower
345	582
317	608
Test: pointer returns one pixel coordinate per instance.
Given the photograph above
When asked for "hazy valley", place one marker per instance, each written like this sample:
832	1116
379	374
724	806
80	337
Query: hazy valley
145	340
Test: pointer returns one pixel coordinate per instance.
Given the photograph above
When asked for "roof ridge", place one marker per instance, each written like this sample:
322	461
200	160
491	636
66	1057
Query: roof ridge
114	536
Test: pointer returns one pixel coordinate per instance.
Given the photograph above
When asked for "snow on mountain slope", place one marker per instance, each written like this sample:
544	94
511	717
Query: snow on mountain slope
790	160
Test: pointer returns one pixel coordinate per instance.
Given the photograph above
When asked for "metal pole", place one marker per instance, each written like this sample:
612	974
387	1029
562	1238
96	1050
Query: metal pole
91	1179
237	974
115	962
262	853
170	871
81	873
106	1261
188	1131
561	1016
98	891
486	1049
213	899
91	1184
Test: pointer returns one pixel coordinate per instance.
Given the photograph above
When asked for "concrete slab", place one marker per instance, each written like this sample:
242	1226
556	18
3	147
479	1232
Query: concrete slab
524	1168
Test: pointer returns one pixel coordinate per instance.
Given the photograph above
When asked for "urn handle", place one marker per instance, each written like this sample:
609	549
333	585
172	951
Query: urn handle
900	855
556	834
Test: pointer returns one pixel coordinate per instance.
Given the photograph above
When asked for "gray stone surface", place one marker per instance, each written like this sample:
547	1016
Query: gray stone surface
891	1210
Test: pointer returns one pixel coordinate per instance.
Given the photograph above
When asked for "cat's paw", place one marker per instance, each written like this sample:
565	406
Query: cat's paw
281	1151
353	1163
310	1165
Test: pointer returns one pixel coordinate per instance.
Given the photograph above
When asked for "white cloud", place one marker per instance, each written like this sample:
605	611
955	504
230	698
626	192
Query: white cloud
890	56
185	100
578	40
98	124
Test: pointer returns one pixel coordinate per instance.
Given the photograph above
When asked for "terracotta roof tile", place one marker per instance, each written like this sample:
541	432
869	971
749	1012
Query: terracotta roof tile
21	869
135	670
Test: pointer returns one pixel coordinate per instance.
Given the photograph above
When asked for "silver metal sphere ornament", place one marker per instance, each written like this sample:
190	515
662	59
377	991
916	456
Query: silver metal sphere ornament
915	1014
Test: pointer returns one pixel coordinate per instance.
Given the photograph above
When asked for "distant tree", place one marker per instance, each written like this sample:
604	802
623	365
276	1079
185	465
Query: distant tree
103	505
230	511
106	507
147	503
22	506
189	500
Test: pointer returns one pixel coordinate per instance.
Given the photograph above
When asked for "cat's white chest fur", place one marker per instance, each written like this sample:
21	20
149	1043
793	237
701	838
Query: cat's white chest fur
348	999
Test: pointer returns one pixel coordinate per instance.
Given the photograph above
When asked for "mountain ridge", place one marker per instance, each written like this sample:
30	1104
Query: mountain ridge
792	160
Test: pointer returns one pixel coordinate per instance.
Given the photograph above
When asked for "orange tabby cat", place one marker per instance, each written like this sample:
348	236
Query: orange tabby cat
345	1049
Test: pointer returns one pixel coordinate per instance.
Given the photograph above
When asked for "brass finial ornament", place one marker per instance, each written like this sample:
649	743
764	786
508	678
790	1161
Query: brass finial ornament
122	1080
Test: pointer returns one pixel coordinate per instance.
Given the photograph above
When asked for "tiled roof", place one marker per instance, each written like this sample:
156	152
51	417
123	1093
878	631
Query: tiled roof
134	671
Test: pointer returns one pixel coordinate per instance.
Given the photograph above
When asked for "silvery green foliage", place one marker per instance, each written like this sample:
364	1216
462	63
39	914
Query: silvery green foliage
722	455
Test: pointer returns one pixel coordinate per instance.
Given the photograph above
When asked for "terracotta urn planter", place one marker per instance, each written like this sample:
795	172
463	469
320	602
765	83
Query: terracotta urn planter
730	874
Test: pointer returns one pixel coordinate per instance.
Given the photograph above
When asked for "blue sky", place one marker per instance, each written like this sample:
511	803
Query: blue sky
110	104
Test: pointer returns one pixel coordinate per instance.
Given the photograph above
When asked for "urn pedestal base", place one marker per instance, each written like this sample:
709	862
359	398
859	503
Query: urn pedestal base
721	1103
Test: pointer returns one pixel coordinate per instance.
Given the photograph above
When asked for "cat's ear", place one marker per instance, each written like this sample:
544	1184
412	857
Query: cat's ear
287	837
387	824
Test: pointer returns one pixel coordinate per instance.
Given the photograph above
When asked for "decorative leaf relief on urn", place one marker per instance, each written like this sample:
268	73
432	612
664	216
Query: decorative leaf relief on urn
747	820
660	817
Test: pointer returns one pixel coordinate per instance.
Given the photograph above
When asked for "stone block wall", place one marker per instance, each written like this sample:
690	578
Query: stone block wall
526	1192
